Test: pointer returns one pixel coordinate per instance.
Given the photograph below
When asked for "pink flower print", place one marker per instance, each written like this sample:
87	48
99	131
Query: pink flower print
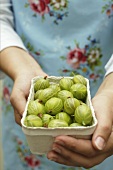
108	12
37	53
6	94
32	161
40	6
47	1
76	57
94	76
65	71
112	6
19	142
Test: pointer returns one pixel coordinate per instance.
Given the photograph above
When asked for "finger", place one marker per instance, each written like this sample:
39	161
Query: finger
64	156
18	100
104	127
56	157
81	146
18	117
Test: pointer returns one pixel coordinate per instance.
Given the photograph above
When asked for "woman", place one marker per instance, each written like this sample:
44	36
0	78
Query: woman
50	37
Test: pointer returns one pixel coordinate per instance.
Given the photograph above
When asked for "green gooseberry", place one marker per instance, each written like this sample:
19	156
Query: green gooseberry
75	124
83	115
35	108
46	118
56	87
79	79
79	91
54	106
57	123
46	94
41	83
70	105
64	116
64	94
36	95
65	83
33	121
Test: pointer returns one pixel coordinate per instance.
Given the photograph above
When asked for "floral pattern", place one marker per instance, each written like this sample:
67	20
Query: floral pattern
75	57
6	94
108	8
54	8
40	7
59	4
33	161
58	9
86	60
27	159
6	99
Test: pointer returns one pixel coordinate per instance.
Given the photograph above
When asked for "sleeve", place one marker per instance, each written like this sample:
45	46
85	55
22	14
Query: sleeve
109	66
8	35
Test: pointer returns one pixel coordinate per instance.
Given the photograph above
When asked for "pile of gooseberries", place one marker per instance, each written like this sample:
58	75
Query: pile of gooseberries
60	104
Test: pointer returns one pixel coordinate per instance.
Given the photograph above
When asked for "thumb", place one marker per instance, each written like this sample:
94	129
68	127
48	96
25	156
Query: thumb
104	127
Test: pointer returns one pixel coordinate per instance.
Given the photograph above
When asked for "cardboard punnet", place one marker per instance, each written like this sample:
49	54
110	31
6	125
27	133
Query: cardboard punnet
40	139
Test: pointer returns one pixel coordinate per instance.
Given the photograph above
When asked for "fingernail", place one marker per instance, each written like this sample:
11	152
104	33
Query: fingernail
59	142
52	159
100	143
56	150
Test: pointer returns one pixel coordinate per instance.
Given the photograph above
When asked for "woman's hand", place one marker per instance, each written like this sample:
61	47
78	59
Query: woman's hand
20	92
21	67
88	153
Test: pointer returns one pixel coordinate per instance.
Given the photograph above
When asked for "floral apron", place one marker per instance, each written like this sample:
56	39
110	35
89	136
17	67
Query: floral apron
65	37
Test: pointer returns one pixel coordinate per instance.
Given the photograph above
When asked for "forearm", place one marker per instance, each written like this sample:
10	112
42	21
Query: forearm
107	85
15	61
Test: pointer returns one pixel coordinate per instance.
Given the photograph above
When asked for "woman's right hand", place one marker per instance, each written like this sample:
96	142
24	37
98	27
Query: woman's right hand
21	68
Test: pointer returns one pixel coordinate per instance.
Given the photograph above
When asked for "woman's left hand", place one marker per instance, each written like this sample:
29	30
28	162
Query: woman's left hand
88	153
78	152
